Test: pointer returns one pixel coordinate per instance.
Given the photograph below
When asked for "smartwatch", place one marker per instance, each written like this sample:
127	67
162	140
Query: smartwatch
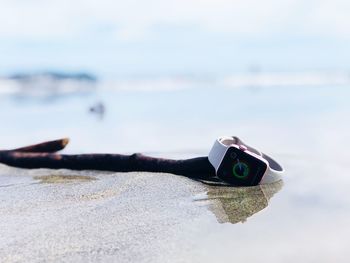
240	164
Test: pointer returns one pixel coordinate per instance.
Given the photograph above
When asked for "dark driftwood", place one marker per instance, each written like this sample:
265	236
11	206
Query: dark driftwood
47	147
42	156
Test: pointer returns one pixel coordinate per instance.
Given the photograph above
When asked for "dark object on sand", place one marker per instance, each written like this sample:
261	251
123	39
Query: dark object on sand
43	156
99	109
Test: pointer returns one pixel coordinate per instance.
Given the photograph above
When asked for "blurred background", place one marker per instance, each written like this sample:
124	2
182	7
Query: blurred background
168	77
115	39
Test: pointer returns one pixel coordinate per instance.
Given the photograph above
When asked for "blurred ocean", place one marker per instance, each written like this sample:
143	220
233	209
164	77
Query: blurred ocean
171	114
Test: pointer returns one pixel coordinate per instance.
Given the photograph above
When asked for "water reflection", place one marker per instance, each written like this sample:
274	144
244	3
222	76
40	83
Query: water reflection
236	204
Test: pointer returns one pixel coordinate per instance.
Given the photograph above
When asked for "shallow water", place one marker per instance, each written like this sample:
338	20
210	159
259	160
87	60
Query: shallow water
142	217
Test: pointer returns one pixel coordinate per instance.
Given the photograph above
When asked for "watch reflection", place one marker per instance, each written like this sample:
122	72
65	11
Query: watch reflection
236	204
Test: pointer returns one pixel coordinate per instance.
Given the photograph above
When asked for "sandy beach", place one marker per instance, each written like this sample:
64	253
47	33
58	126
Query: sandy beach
88	216
92	216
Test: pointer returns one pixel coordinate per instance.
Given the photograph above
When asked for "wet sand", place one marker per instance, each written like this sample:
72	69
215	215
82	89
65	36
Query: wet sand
87	216
63	215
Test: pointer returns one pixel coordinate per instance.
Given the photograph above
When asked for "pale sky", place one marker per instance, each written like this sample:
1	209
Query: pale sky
170	37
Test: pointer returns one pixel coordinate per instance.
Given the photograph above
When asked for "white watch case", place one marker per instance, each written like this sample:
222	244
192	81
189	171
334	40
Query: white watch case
222	144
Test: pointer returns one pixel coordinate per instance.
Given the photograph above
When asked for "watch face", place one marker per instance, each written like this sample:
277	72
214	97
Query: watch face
240	168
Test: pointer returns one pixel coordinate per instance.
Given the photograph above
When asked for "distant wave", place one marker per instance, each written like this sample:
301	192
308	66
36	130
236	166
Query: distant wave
287	79
247	80
152	84
41	85
47	84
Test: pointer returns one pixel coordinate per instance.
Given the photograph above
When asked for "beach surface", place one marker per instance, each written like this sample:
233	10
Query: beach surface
89	216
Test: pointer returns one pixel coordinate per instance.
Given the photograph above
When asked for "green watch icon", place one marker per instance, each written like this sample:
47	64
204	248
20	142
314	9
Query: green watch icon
240	170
